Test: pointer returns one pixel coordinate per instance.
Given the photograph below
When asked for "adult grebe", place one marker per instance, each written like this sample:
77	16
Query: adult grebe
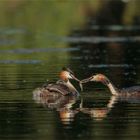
131	91
61	87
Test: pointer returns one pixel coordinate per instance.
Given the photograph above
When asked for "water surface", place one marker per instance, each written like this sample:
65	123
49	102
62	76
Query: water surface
33	54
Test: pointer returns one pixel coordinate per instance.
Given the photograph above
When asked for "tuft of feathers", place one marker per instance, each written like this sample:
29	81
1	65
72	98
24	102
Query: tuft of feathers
68	69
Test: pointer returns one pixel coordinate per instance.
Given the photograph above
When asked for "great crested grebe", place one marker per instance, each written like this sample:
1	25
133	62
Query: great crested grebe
131	91
61	87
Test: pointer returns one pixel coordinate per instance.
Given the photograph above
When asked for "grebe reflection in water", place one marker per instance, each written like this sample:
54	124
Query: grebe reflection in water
69	106
62	104
99	113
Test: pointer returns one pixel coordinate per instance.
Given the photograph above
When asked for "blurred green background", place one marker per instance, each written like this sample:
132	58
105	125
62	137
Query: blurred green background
29	26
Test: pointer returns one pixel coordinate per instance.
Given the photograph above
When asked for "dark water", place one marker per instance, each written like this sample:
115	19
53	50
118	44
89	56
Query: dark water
95	115
29	58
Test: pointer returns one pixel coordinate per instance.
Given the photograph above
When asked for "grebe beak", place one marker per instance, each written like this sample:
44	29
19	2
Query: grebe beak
87	80
73	77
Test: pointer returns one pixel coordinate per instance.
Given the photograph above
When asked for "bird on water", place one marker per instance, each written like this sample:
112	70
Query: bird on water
62	87
131	91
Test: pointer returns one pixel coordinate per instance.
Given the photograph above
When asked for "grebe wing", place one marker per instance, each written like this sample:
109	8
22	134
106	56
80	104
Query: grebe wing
58	87
132	89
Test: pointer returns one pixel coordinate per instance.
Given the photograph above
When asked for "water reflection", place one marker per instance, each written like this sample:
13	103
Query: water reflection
33	52
99	113
107	50
62	104
69	107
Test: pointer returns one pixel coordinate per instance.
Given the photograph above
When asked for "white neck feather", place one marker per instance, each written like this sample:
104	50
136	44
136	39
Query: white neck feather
71	87
113	89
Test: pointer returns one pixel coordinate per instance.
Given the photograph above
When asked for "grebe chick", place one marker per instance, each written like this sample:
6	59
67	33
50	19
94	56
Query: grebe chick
61	87
131	91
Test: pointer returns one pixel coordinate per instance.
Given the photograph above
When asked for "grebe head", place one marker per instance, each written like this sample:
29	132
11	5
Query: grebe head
67	74
97	78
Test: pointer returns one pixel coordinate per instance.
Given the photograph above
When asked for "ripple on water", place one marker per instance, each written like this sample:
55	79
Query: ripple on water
38	50
20	61
110	66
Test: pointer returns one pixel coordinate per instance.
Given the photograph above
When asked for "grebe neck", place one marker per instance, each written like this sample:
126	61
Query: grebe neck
71	87
111	87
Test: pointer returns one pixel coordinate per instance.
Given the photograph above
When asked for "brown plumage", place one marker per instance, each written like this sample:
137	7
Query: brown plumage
62	87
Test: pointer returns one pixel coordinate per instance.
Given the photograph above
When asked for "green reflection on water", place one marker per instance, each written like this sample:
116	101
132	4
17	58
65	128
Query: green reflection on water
34	25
